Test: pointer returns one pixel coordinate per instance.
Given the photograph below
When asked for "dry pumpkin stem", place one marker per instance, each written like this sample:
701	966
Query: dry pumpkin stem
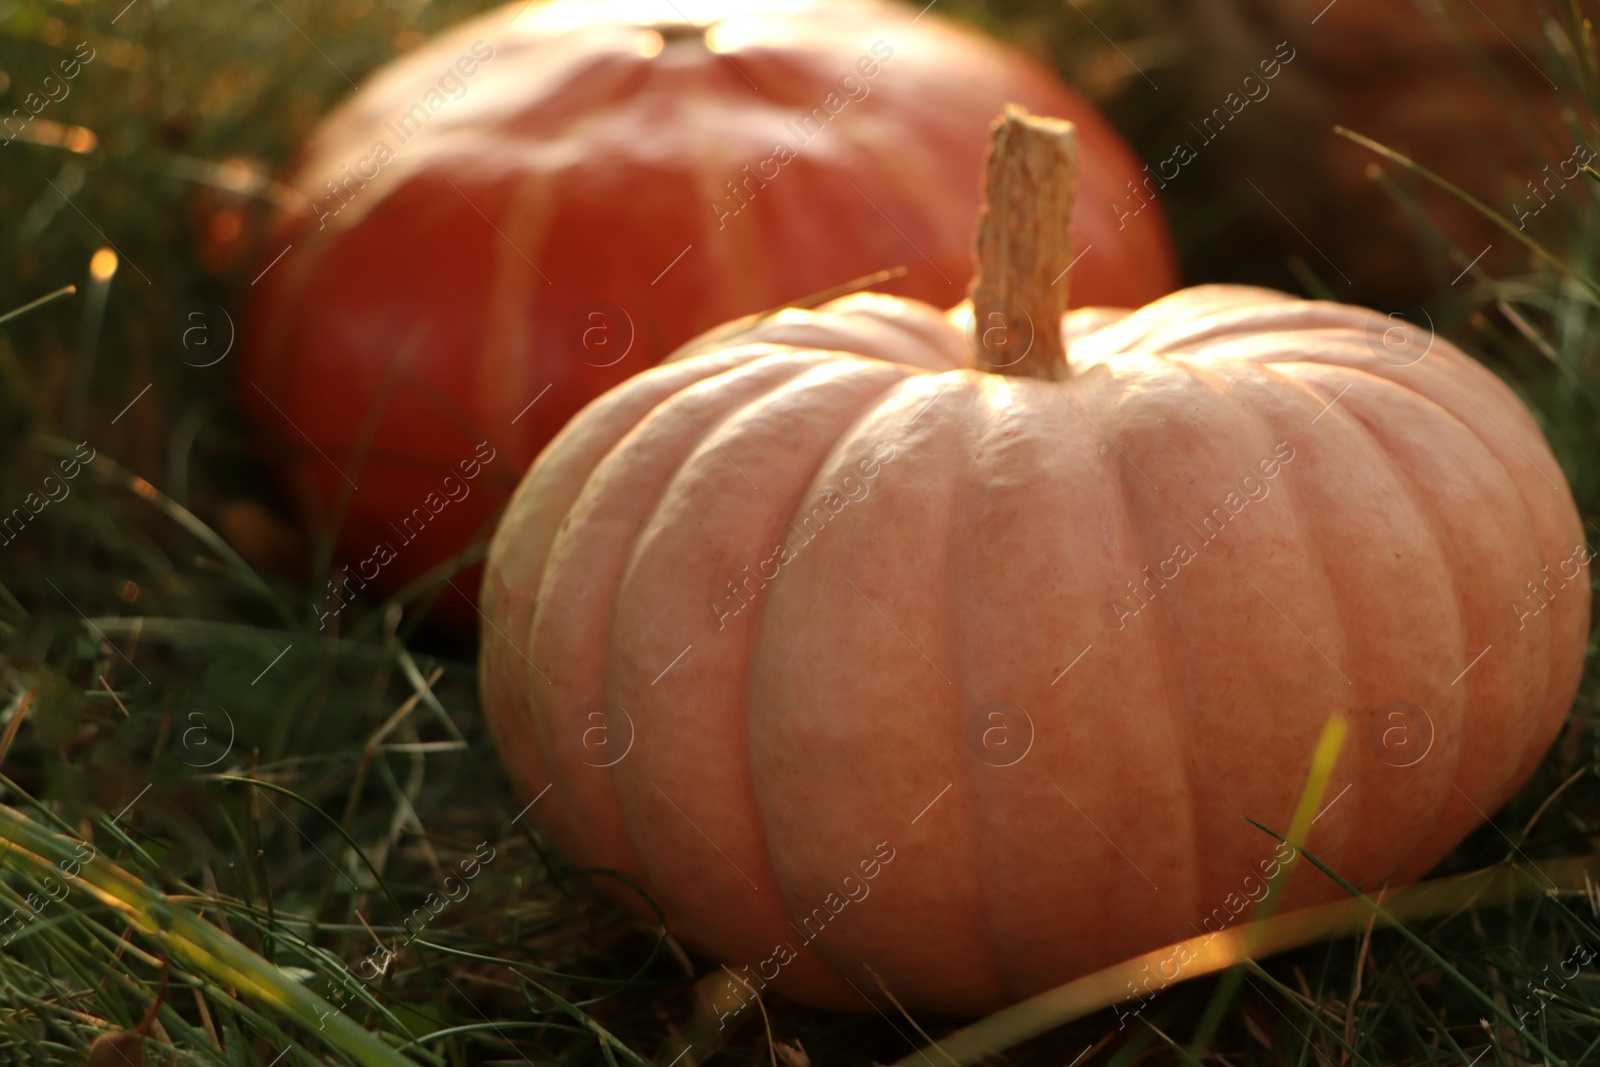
1019	286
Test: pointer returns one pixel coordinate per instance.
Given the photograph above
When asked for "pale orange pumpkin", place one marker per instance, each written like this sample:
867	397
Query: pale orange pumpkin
854	649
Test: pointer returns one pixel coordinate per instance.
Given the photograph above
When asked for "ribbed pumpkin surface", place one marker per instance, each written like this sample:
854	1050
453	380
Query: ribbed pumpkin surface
753	615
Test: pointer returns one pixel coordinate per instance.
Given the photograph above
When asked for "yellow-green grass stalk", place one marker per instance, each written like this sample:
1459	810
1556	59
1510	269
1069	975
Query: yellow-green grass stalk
187	938
1266	934
1211	953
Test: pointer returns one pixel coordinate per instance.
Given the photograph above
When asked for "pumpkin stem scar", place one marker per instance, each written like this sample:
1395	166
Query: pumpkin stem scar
1018	290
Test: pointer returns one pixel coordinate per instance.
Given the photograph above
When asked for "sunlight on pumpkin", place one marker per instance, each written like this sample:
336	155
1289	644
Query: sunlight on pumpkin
547	18
649	43
560	15
734	34
999	387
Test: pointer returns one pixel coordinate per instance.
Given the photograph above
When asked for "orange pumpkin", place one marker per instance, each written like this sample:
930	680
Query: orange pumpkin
550	198
856	648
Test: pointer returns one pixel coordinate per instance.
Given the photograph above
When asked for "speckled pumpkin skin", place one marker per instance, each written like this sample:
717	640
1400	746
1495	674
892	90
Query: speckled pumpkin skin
1364	509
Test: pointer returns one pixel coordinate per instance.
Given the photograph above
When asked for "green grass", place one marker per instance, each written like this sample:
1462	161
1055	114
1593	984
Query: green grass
266	805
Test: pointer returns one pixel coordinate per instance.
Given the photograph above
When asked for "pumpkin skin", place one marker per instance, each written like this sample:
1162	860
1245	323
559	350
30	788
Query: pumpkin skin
765	752
529	228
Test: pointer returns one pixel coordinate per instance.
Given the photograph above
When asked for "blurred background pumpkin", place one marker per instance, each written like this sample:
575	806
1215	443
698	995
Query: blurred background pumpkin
546	200
1464	88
